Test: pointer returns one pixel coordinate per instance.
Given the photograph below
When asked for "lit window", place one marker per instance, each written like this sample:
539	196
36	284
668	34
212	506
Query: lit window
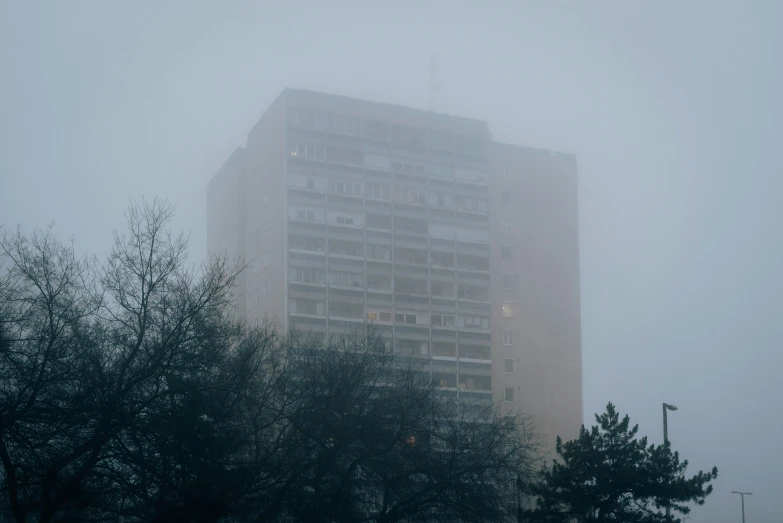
508	394
508	310
507	252
508	338
508	366
505	198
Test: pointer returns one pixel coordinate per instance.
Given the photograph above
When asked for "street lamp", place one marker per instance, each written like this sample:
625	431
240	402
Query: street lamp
742	495
666	407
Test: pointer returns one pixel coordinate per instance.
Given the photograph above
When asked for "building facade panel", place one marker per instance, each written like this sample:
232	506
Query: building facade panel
464	251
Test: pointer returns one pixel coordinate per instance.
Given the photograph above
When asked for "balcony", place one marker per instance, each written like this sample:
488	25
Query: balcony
468	262
307	276
473	294
378	222
474	323
411	287
305	245
346	249
306	308
441	289
306	185
411	347
379	283
411	320
475	384
446	350
418	227
444	380
345	310
411	256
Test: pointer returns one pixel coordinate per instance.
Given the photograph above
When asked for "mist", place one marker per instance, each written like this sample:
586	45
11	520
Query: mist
672	109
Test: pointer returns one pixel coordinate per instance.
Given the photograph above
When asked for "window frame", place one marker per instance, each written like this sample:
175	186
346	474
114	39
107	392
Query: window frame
505	197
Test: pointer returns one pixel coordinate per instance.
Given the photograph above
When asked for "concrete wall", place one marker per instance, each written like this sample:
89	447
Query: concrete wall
542	214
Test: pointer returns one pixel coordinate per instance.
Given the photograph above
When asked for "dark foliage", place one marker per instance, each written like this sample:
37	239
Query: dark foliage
127	388
608	475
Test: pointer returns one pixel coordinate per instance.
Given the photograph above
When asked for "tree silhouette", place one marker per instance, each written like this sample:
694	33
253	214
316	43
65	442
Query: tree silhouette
607	474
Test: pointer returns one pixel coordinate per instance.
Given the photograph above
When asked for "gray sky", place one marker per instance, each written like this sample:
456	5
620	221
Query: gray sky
673	109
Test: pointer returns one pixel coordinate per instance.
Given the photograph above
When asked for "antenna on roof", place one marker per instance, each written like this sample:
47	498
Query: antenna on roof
435	84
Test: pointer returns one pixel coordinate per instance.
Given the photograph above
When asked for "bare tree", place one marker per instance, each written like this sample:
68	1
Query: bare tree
128	389
86	352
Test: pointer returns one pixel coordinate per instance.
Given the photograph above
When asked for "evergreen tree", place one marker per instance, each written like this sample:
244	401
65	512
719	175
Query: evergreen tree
607	474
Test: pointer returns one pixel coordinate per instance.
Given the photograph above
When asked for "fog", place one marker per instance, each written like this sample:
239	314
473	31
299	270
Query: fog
673	110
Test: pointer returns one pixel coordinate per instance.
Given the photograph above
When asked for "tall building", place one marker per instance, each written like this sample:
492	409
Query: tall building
463	251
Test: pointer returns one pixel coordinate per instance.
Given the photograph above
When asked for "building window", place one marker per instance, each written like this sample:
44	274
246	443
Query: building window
311	183
405	318
506	226
345	187
306	275
508	366
379	316
304	215
475	322
508	394
378	191
266	199
505	198
347	279
344	220
314	152
504	171
508	338
442	320
508	310
266	259
507	252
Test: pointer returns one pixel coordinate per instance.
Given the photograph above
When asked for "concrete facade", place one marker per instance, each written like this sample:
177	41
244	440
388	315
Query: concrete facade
463	251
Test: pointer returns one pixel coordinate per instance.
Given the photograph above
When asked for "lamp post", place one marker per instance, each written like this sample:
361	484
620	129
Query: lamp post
742	495
666	407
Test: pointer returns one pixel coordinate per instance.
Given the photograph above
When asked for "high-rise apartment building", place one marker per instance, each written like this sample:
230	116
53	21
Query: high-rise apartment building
462	251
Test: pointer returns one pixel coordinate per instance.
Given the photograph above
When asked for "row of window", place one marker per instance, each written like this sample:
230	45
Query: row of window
383	192
384	252
344	187
384	162
383	130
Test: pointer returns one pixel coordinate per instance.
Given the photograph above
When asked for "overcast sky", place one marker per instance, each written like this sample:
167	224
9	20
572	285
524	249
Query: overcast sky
673	110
